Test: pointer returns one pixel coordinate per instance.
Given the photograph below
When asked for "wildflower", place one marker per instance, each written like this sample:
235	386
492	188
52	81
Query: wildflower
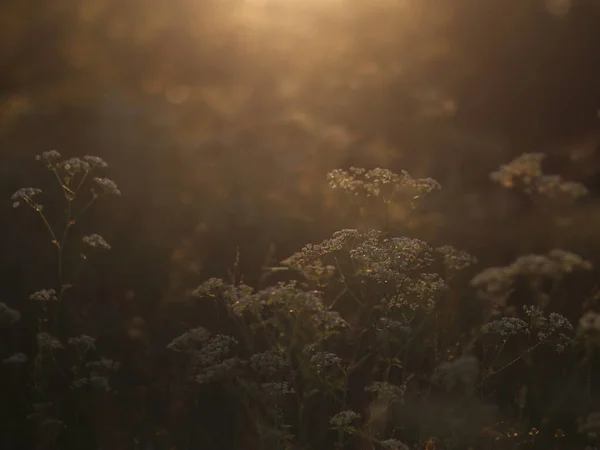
83	341
95	162
190	340
44	295
48	343
329	321
378	181
558	321
569	261
74	165
48	157
218	371
109	187
343	419
507	326
96	241
214	351
559	432
553	186
534	431
276	389
427	288
209	288
25	195
525	168
324	360
17	358
386	391
456	259
267	363
8	316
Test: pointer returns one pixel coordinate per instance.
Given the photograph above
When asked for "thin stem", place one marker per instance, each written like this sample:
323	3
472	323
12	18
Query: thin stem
48	226
518	358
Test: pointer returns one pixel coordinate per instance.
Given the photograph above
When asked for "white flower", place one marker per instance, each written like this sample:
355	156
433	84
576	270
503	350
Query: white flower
343	419
96	241
44	295
95	162
48	157
109	186
47	342
25	195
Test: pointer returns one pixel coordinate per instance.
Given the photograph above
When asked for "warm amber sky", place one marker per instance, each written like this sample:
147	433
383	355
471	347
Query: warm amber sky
225	115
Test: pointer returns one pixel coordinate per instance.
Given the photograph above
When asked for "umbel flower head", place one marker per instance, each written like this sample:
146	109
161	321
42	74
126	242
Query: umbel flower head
25	195
96	241
44	295
344	419
381	183
109	187
526	171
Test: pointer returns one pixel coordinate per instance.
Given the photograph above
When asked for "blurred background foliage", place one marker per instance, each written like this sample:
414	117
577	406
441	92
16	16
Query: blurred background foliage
220	119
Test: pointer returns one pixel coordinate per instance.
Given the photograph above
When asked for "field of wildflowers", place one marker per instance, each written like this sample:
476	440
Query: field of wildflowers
358	341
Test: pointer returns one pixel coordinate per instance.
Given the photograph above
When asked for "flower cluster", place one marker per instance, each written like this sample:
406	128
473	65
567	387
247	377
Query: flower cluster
525	168
268	363
553	324
48	343
324	360
96	241
74	166
426	289
386	392
380	182
44	295
276	389
311	254
495	283
99	375
95	162
83	342
329	323
390	259
108	186
456	259
210	288
526	171
26	195
344	419
219	371
239	298
507	326
191	340
48	157
214	351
